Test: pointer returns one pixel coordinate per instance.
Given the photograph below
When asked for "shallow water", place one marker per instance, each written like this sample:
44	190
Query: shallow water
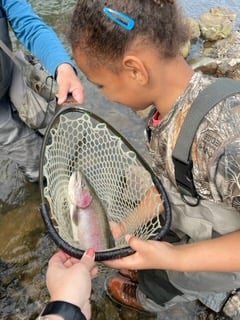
25	246
196	8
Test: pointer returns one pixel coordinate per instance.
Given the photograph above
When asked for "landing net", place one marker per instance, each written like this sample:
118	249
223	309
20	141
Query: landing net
78	140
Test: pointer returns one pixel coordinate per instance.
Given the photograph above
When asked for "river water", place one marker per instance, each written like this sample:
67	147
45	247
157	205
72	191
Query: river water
25	246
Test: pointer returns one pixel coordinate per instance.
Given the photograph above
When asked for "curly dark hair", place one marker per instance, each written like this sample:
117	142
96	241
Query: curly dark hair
157	22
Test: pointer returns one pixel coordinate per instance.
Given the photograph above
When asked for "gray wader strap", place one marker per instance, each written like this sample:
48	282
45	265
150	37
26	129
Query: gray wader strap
10	54
205	101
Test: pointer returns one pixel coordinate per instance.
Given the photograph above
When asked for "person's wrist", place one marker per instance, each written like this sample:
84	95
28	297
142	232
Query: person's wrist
63	67
176	258
69	293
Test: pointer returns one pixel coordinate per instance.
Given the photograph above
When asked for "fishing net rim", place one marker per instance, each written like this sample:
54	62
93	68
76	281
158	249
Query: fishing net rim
110	253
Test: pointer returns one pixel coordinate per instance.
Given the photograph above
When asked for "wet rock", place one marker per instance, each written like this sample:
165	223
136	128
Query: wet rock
194	28
217	67
225	48
186	49
229	68
204	64
104	309
194	35
221	58
13	189
217	23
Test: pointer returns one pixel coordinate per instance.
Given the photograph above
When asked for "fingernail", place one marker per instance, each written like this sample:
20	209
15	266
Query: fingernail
128	237
90	252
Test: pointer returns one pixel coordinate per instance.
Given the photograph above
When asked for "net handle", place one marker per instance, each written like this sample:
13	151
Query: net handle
111	253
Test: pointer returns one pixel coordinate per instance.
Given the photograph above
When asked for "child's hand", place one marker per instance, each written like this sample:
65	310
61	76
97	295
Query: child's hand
149	255
202	256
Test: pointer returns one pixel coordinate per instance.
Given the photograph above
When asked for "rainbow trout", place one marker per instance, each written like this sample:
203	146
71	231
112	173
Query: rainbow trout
89	220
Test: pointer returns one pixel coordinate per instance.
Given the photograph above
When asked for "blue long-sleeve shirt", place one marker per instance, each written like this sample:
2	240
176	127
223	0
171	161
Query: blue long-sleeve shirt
35	34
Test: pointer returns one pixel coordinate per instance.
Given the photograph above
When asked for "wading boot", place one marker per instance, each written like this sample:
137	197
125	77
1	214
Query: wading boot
129	274
123	291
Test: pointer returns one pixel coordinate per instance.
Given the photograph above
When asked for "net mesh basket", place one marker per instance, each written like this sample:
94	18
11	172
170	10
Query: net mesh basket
80	142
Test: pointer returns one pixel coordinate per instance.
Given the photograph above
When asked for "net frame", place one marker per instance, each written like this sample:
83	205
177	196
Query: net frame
46	207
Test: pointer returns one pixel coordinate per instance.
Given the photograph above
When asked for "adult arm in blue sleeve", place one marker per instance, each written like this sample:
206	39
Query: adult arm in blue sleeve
35	34
43	42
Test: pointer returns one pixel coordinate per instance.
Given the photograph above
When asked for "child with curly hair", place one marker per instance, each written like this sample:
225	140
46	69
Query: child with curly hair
132	51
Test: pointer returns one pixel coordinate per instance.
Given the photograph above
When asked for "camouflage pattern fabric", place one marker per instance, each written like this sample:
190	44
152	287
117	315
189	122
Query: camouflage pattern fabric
216	148
216	164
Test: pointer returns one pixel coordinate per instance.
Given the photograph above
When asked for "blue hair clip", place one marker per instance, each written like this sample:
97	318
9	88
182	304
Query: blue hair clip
120	18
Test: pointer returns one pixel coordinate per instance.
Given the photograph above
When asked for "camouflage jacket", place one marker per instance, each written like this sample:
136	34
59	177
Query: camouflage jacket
215	149
216	174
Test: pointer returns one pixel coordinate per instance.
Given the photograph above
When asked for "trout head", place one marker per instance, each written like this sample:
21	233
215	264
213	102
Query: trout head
78	193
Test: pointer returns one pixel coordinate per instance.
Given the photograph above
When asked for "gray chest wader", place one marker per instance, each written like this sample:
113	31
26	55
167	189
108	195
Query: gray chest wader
18	142
204	221
5	62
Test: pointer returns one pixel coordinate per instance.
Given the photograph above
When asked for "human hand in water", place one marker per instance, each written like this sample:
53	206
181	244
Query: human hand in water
69	279
68	83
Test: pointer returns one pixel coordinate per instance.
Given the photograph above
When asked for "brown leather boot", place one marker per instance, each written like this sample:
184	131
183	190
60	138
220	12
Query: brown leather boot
130	274
123	291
